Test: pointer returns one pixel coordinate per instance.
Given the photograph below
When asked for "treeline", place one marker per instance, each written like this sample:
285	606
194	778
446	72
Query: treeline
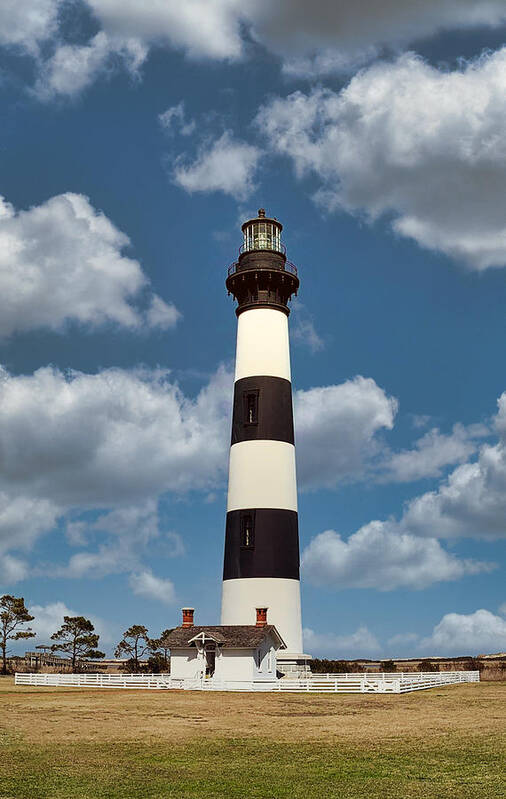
324	666
77	640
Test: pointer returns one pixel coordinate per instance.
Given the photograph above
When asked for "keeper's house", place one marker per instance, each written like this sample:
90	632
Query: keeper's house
227	652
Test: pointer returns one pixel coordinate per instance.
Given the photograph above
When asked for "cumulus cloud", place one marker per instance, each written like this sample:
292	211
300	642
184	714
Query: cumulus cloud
337	428
127	533
345	31
225	164
431	454
147	585
311	38
115	441
480	632
63	261
472	500
303	330
113	437
12	569
73	67
408	141
49	618
200	28
361	643
174	120
377	556
22	519
26	24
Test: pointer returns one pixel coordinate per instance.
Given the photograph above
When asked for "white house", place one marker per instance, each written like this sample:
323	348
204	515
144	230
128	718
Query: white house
228	652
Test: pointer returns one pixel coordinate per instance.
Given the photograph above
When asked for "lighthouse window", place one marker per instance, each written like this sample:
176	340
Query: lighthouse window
251	407
247	531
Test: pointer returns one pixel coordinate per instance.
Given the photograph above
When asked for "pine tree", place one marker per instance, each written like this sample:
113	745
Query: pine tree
13	613
77	639
134	644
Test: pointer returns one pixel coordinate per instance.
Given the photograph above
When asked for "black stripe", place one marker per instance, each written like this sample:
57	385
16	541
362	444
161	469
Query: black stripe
272	549
273	417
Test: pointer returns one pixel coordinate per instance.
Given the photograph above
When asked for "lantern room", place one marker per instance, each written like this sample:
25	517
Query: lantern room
262	234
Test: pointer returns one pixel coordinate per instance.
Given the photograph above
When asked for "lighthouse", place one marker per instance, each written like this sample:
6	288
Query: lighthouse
261	562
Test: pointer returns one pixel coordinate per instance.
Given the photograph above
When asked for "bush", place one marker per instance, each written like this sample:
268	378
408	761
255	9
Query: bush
324	666
427	665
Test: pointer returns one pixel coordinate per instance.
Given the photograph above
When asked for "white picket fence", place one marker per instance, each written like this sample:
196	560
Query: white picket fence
395	683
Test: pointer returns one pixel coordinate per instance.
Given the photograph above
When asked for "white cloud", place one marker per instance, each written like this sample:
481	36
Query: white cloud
72	68
115	440
27	24
226	165
23	518
480	632
431	454
147	585
361	643
128	532
162	314
336	430
472	500
346	30
378	556
49	618
174	120
312	38
303	330
113	437
403	643
12	569
200	28
412	142
62	261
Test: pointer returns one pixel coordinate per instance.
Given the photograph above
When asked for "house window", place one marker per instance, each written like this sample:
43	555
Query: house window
247	531
269	661
250	407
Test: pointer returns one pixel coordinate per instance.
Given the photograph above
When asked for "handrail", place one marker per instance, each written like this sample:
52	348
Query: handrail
274	246
287	267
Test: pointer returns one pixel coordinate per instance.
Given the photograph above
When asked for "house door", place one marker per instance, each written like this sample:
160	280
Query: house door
210	662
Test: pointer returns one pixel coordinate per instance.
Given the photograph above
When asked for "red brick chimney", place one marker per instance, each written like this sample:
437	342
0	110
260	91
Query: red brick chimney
188	617
261	616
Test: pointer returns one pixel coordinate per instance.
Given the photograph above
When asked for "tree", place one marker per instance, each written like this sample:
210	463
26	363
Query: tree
324	666
156	664
428	665
77	639
13	614
160	651
388	666
134	644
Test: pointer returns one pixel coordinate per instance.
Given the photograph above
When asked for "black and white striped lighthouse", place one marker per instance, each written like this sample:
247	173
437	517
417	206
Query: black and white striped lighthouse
261	568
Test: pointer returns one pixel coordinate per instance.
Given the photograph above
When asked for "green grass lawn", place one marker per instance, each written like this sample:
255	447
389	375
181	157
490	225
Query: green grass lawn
252	760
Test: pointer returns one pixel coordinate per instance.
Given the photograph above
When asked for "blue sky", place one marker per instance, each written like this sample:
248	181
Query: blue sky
135	139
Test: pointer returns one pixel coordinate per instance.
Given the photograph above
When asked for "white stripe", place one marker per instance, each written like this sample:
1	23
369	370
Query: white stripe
241	597
262	475
262	344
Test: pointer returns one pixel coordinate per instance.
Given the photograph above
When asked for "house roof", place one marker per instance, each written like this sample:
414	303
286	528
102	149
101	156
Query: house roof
236	636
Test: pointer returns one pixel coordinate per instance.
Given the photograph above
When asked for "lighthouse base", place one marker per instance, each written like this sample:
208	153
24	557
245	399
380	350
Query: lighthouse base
281	596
